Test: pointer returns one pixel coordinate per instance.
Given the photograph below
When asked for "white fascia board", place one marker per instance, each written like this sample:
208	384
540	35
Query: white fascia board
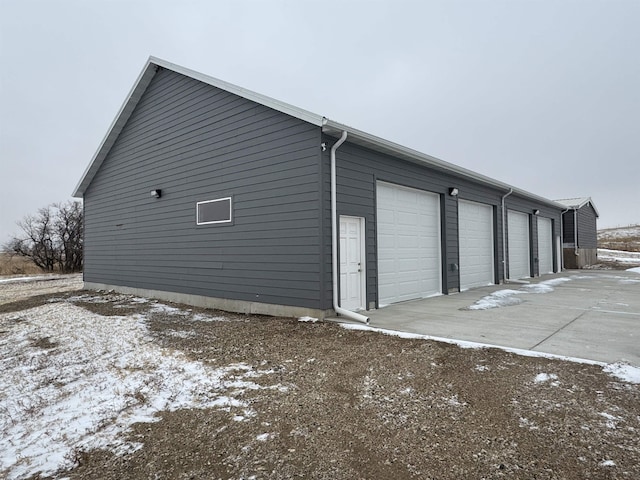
578	203
141	85
283	107
385	146
116	126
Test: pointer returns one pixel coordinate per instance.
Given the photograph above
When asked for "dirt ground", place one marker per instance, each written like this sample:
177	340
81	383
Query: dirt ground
362	405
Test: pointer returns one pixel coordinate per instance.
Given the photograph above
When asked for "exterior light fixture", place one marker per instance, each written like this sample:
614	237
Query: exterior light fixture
157	193
536	212
453	191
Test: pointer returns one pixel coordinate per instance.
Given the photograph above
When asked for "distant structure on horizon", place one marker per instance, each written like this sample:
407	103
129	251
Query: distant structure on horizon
579	232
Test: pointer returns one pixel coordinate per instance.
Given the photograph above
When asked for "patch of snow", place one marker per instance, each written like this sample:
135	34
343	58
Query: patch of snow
102	375
607	463
162	308
181	333
619	256
624	372
469	344
454	402
634	269
481	368
263	437
139	300
545	377
308	319
506	298
34	278
612	420
619	232
500	298
199	317
525	422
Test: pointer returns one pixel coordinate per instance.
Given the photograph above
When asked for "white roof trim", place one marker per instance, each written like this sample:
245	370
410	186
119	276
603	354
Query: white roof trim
328	126
139	87
577	203
385	146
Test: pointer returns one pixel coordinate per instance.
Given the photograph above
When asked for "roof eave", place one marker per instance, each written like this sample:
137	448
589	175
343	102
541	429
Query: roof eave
138	89
121	118
384	146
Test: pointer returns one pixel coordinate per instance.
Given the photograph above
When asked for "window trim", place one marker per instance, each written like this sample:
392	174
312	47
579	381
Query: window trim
230	220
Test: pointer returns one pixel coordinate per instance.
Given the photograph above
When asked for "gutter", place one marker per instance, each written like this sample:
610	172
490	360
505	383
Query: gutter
575	231
334	239
504	235
562	237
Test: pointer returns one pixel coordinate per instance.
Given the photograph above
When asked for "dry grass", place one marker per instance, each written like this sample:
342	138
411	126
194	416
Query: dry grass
16	265
623	238
628	244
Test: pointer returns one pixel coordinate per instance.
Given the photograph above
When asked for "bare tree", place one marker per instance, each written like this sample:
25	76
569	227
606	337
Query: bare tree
52	238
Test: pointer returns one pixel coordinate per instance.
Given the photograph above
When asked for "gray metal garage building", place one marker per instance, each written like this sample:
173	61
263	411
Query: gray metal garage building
209	194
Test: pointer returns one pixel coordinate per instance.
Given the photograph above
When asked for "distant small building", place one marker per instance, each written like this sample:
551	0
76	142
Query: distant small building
579	232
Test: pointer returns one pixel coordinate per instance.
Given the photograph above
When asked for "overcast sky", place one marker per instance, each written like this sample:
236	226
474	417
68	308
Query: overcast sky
543	95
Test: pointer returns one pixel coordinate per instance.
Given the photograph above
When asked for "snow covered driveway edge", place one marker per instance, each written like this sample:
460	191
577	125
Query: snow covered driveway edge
621	371
73	380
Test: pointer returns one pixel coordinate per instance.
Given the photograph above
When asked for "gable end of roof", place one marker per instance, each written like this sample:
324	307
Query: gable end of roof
578	203
140	86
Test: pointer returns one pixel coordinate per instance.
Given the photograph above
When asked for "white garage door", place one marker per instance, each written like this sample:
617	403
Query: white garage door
475	231
409	261
545	246
518	243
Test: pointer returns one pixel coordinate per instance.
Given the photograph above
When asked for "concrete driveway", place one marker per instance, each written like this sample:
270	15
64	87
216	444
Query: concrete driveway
587	314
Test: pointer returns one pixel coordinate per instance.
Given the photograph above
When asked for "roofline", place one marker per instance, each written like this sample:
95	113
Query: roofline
577	206
329	127
139	87
385	146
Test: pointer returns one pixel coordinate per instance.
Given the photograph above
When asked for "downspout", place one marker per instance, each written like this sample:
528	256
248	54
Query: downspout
575	232
562	237
334	239
504	236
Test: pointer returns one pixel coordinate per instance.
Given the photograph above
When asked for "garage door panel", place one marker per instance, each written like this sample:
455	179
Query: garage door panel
475	233
519	245
408	243
545	246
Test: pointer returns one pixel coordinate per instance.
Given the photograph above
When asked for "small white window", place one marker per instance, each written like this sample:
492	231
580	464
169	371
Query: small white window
214	211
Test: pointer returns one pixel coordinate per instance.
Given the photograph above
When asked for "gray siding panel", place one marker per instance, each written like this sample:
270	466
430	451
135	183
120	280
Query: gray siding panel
197	143
567	227
358	170
587	228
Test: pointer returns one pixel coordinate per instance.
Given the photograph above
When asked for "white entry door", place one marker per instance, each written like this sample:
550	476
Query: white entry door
545	246
352	265
518	244
408	227
475	233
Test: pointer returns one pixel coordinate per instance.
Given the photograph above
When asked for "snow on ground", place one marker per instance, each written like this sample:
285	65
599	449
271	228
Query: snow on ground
17	288
308	319
507	297
634	269
545	377
620	232
622	371
73	380
619	256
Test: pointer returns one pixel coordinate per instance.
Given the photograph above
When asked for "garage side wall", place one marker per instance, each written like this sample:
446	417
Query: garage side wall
358	170
197	143
525	205
587	229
